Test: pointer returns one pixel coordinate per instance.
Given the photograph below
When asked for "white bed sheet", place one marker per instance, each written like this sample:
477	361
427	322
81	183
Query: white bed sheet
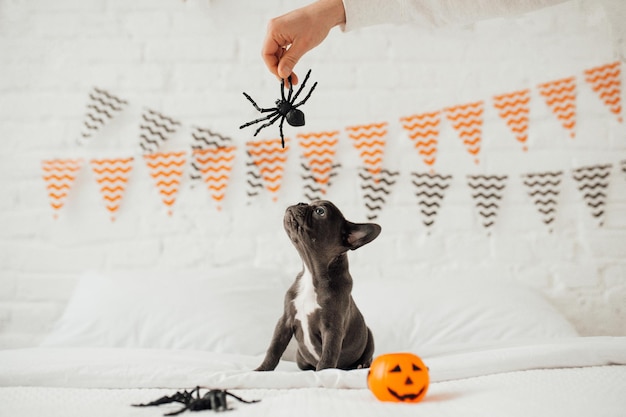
567	392
565	377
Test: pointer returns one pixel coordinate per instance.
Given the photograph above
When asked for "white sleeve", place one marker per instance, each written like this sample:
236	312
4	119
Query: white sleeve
433	13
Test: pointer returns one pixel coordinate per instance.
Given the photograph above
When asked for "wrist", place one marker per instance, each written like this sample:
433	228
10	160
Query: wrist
331	11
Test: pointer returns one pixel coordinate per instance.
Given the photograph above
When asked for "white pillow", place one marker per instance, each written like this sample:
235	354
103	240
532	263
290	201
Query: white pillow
230	310
235	311
413	314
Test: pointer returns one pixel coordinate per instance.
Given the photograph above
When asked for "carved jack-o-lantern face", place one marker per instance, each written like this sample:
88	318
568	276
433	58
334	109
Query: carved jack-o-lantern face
400	377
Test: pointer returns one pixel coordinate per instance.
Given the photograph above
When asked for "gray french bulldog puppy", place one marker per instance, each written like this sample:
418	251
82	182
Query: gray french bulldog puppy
319	310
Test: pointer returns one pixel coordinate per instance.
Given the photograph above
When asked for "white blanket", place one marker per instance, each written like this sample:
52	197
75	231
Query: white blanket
148	368
567	377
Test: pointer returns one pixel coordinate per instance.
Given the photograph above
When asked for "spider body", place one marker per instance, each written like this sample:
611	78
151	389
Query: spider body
286	108
214	399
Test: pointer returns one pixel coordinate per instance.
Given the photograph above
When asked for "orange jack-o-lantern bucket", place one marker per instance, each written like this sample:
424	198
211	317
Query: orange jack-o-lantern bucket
400	377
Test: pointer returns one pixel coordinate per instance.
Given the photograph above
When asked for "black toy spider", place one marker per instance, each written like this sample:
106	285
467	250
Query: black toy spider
285	108
214	399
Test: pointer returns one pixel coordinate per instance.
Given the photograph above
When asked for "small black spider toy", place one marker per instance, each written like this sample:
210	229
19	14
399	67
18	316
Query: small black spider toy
213	399
286	108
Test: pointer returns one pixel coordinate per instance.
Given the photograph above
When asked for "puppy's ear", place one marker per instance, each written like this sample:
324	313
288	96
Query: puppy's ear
359	234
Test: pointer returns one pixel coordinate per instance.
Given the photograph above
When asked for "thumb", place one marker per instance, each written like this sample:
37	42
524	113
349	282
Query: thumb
289	60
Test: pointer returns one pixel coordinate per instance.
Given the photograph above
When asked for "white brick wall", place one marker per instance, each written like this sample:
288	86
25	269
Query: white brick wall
191	60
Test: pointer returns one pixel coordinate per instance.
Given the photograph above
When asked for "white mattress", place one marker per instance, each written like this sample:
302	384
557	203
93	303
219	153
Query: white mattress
567	377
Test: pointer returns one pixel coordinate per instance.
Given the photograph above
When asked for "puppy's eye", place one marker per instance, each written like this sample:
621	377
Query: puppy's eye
320	211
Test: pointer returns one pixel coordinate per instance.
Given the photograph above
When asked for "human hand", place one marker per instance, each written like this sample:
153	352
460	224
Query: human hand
292	35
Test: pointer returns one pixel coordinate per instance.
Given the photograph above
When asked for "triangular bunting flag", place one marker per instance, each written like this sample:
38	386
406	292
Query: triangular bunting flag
205	139
467	120
313	190
155	129
166	168
606	81
270	157
514	108
375	189
593	182
487	191
544	189
430	189
101	108
370	140
254	180
560	96
112	177
216	165
59	176
319	150
423	130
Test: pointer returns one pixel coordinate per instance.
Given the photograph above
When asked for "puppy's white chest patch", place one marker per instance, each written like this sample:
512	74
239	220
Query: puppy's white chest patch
305	304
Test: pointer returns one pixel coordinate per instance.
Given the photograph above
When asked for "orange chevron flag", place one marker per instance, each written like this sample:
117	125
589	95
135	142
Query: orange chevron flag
606	81
215	166
270	157
319	151
423	130
467	120
166	168
560	96
59	175
369	140
112	175
514	108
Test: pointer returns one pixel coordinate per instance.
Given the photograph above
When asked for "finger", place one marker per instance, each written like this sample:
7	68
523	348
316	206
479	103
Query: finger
290	58
294	79
272	52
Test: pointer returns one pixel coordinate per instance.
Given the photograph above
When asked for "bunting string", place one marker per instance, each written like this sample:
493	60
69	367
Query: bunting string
212	155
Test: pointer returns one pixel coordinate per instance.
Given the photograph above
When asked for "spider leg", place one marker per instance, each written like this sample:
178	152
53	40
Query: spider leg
307	96
302	86
218	401
282	137
260	119
180	397
241	399
256	106
269	123
290	90
175	413
282	89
